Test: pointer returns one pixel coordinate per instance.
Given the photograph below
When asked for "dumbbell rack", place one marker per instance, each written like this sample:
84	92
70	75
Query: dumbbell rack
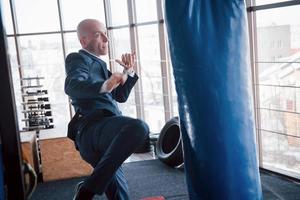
37	116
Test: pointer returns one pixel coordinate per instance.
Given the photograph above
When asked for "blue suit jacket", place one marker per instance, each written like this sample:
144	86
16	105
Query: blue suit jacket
85	77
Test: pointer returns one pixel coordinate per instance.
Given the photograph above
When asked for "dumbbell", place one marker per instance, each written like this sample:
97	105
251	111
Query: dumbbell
42	91
50	126
48	113
43	99
31	100
45	106
32	107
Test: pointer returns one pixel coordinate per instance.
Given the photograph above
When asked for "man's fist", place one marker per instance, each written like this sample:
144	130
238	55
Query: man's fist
115	80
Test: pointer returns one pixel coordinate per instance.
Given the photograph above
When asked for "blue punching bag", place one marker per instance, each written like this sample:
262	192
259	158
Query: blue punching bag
210	56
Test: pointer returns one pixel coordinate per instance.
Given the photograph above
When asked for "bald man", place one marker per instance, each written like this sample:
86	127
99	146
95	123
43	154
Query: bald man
104	138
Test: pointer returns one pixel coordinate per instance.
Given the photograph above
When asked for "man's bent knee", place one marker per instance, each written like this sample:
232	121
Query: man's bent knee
141	129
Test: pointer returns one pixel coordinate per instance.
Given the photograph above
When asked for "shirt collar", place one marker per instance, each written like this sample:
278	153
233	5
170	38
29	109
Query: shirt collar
98	57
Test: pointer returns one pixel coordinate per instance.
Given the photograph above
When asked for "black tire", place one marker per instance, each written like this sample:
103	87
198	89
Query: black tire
169	144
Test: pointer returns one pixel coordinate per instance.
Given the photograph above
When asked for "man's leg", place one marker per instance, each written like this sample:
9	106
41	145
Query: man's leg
110	143
118	188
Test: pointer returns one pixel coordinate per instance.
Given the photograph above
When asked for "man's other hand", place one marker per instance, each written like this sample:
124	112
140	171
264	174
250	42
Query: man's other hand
127	60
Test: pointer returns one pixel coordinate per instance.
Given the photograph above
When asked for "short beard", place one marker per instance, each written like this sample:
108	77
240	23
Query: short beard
96	51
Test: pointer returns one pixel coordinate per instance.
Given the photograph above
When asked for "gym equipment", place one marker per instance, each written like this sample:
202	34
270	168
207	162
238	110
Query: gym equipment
36	116
40	106
45	106
210	58
169	145
43	99
48	113
34	106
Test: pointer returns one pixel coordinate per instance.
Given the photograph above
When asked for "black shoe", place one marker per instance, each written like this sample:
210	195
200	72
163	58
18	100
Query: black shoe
82	193
77	189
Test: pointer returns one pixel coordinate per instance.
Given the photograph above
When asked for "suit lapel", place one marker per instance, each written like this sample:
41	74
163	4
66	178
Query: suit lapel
100	63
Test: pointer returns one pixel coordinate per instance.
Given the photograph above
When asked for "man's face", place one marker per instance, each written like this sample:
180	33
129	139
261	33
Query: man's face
95	40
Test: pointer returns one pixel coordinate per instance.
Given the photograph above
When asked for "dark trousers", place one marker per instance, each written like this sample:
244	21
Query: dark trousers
106	144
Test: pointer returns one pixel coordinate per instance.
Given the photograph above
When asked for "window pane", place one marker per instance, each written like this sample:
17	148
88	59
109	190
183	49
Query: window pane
280	73
129	108
76	11
278	16
173	88
72	43
149	48
281	153
174	94
37	16
39	52
15	77
153	101
119	12
146	10
280	98
278	34
119	44
282	122
7	20
151	76
154	116
41	55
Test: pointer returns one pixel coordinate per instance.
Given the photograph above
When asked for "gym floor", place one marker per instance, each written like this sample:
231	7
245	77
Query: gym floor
153	178
141	156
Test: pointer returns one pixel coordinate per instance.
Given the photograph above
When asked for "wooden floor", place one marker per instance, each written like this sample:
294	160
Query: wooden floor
60	160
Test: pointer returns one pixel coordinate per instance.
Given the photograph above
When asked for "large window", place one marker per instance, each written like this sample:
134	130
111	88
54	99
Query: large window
277	83
45	33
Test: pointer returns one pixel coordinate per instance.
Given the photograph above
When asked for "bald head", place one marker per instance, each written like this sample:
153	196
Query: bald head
86	26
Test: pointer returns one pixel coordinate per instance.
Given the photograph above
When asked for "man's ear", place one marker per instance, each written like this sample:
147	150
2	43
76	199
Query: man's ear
83	42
